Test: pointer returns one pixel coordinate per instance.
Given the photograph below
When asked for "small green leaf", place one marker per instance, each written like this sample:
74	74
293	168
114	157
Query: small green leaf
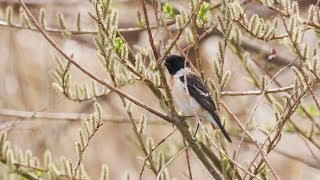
263	173
117	44
168	10
203	12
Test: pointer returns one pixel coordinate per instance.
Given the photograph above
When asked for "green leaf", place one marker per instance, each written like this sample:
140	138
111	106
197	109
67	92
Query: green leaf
117	44
263	173
168	10
203	12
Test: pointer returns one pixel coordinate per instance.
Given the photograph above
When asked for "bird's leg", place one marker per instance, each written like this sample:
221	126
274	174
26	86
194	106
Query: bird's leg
195	133
181	118
184	117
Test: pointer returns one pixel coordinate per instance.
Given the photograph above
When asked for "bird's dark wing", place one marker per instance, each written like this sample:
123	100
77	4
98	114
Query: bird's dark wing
199	91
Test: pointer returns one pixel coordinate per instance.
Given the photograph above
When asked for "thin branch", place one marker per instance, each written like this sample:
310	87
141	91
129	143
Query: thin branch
167	164
315	165
138	135
300	131
152	150
180	50
279	125
83	149
69	116
77	32
225	155
196	44
257	144
296	157
193	13
112	88
188	161
248	93
310	150
279	11
155	55
254	110
146	18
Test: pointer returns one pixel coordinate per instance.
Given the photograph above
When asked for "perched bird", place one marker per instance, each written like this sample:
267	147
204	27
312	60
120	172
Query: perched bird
197	98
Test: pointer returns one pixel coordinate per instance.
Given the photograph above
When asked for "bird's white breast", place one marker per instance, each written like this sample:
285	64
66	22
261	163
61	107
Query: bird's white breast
185	103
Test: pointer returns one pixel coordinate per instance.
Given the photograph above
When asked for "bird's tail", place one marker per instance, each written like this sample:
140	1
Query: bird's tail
216	121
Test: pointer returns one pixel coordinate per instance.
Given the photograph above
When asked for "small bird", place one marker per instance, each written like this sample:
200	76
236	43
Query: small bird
197	98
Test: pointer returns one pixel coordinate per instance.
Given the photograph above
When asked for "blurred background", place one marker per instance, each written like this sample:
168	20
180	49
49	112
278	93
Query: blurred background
26	87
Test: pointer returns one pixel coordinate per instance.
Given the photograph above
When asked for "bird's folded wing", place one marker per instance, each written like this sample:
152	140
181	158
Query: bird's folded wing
198	90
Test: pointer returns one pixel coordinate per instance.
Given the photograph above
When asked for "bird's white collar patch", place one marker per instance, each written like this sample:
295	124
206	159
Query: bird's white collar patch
182	72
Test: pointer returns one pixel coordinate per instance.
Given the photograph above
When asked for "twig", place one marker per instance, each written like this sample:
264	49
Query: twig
196	44
188	161
77	32
283	119
298	158
112	88
255	108
279	125
27	174
193	13
310	150
279	11
153	47
304	75
175	156
300	131
155	54
180	50
139	137
68	116
82	150
248	93
280	86
153	149
247	132
124	103
242	22
224	154
22	118
257	83
202	36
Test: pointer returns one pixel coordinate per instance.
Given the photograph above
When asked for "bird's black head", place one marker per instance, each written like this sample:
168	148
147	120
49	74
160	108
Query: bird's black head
174	63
